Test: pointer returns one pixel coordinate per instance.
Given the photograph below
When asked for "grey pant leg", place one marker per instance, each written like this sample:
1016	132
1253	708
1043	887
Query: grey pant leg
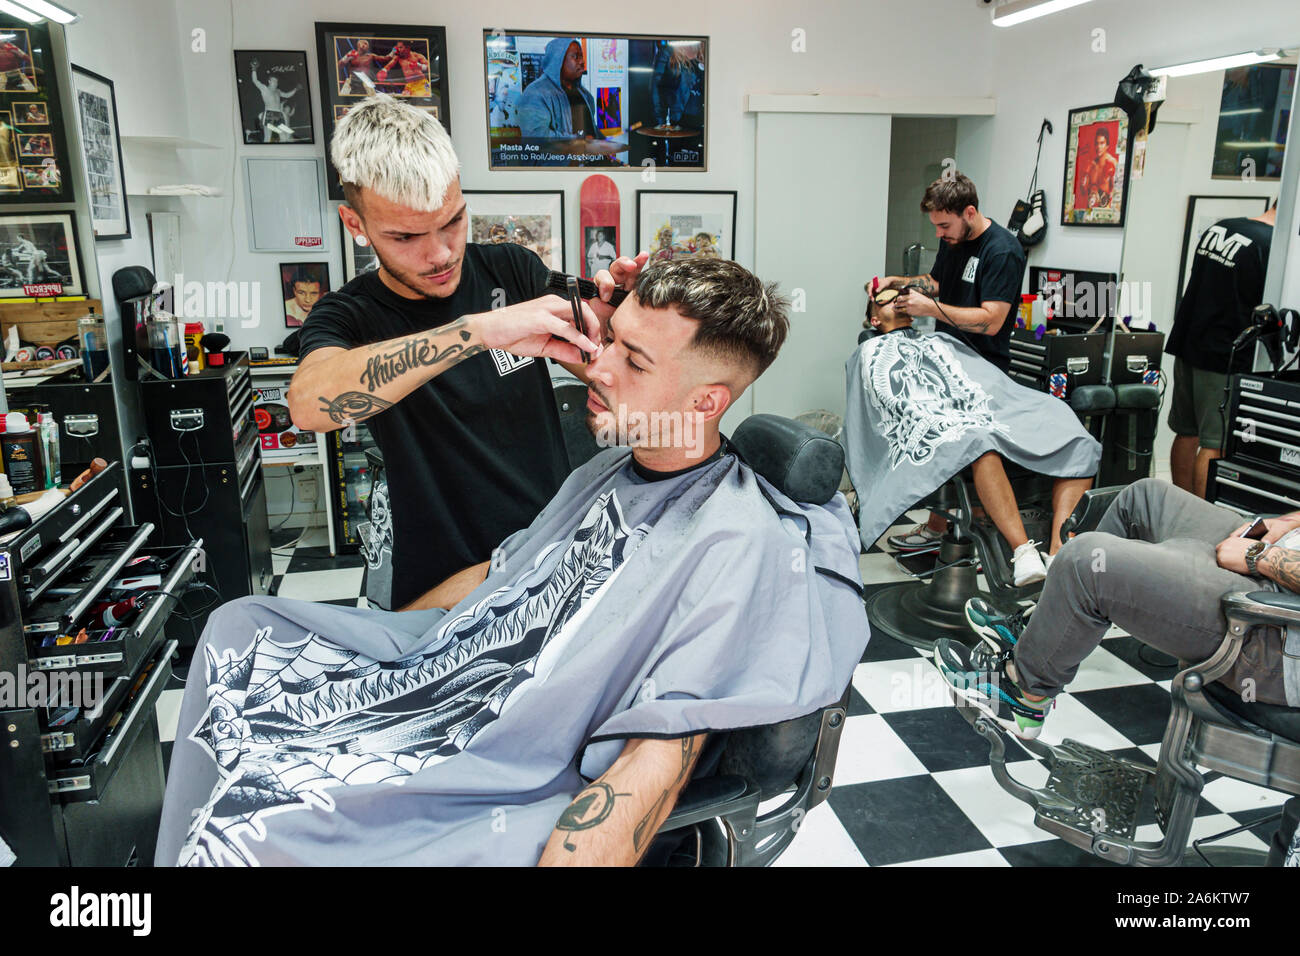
1152	570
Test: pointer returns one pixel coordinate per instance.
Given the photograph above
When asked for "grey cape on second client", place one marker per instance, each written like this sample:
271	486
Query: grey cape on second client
921	406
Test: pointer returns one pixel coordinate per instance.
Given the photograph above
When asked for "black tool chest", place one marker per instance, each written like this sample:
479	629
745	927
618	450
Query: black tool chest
1260	470
208	481
81	772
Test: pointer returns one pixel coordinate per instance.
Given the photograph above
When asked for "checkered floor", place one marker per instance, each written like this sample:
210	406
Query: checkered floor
912	782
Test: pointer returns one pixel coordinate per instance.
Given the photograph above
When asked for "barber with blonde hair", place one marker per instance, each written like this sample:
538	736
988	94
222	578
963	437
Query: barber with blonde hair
439	351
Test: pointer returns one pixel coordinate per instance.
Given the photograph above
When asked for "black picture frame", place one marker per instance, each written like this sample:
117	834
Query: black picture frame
318	272
9	262
96	141
340	87
1100	114
252	104
670	147
641	246
554	195
42	82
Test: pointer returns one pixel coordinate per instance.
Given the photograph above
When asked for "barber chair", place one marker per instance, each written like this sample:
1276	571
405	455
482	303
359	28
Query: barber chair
719	819
920	612
1092	798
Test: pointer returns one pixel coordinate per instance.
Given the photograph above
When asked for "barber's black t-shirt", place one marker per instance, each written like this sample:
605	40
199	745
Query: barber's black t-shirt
1226	284
471	456
987	269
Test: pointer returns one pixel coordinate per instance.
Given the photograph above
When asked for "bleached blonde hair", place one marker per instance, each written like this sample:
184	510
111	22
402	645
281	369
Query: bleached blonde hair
395	150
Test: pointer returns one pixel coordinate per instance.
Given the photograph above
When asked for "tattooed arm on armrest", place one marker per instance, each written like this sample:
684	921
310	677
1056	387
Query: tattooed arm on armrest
612	821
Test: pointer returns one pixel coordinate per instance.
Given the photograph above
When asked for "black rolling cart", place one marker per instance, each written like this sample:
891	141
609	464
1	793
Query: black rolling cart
205	478
81	770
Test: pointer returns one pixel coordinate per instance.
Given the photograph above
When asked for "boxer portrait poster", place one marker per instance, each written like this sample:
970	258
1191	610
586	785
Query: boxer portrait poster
1096	167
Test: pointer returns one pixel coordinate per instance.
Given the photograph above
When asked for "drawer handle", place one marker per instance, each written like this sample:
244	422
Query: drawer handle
146	696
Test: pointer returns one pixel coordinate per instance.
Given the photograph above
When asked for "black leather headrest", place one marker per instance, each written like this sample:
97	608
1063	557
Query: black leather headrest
865	334
1091	399
803	463
1137	396
131	282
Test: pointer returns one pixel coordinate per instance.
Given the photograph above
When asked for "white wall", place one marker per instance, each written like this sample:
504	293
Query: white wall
1046	67
750	52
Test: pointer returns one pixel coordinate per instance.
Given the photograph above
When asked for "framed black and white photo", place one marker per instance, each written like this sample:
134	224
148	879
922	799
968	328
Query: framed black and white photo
301	285
356	259
38	256
102	144
533	219
686	224
357	59
274	100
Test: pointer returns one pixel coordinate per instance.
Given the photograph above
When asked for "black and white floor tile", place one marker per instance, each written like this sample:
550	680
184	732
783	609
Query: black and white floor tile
912	782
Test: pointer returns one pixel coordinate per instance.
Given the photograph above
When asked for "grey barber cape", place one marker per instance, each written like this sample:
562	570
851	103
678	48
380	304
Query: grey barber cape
319	734
921	406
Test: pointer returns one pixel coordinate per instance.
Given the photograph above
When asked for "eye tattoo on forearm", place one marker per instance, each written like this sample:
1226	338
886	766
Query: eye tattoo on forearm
352	407
415	353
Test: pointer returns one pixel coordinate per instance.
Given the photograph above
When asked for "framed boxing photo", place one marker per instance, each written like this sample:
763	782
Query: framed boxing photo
358	59
274	96
38	256
1097	164
33	147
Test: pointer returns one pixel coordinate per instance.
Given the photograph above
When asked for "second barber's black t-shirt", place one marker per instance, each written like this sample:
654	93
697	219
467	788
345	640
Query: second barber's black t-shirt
471	456
1226	284
989	268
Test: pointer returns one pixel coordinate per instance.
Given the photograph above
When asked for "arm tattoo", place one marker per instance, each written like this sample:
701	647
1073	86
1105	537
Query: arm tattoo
646	829
422	352
1283	566
589	808
925	284
351	407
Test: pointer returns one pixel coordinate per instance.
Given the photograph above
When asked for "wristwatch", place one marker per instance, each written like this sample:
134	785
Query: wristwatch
1252	555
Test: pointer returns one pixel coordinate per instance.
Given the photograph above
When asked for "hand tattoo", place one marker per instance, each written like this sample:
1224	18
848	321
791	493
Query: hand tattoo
352	407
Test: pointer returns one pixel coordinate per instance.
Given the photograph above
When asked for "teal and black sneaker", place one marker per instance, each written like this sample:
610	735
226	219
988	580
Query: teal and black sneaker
989	689
999	632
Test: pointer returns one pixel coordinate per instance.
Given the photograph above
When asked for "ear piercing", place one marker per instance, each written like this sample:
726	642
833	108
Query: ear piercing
361	240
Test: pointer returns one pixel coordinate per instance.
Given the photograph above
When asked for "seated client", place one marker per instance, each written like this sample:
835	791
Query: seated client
921	406
1157	565
554	713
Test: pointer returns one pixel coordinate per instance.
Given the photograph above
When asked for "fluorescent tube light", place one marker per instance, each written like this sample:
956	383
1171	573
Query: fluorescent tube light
1217	63
1009	14
51	11
21	13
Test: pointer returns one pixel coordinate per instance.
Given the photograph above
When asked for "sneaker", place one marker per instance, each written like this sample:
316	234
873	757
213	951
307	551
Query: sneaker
1027	565
998	632
918	539
990	690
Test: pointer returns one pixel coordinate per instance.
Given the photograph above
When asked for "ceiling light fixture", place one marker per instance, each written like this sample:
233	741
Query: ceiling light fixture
1218	63
1018	11
21	13
51	11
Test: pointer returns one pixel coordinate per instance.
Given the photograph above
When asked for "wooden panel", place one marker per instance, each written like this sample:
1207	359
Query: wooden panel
45	323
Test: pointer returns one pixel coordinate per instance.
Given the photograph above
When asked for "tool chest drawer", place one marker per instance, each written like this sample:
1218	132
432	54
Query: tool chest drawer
84	604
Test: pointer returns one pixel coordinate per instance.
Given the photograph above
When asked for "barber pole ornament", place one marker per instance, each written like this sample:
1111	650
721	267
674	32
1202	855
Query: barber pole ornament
1057	384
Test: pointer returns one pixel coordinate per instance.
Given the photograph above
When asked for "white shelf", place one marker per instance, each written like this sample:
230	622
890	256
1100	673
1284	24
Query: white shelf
171	142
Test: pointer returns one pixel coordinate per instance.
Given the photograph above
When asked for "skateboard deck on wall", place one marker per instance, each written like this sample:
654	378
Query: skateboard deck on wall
598	209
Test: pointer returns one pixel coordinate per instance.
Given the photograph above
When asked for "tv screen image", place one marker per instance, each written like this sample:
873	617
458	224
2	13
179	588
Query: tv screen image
568	102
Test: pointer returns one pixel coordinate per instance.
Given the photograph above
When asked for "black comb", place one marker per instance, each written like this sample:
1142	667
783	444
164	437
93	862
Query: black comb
557	283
